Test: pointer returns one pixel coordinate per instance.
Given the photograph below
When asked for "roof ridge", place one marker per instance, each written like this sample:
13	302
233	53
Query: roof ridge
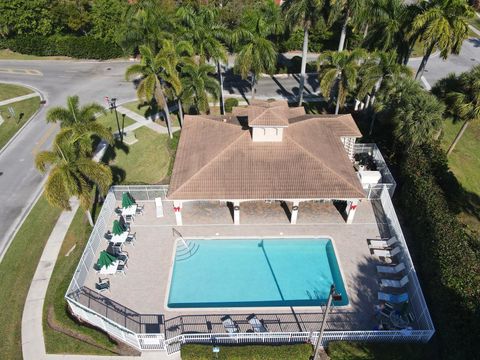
322	162
331	118
210	162
204	118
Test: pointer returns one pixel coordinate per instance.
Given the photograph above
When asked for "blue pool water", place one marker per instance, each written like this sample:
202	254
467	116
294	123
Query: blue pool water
251	273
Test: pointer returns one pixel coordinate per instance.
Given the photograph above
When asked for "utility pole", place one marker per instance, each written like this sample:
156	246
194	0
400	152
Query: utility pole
333	295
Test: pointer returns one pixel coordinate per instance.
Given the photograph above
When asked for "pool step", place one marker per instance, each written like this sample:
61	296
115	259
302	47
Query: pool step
184	253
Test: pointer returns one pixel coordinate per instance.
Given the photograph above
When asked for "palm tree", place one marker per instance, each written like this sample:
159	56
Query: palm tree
201	27
390	20
198	84
71	173
339	70
257	53
156	74
349	10
173	56
305	14
80	121
378	66
442	25
464	102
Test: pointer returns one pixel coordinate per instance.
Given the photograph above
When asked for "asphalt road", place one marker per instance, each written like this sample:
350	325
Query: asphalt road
20	182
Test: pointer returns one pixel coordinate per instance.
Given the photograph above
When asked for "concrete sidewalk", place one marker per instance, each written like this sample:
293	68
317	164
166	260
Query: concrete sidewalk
142	120
19	98
33	344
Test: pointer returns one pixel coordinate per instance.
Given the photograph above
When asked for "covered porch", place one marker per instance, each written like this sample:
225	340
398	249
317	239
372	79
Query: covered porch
265	211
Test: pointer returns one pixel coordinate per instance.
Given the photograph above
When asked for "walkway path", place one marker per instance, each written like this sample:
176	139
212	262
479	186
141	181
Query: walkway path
141	120
474	29
33	344
19	98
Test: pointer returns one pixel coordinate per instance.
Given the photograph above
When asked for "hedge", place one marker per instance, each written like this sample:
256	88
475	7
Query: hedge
247	352
84	47
447	260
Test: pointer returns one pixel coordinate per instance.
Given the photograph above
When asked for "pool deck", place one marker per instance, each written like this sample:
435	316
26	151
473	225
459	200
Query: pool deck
138	299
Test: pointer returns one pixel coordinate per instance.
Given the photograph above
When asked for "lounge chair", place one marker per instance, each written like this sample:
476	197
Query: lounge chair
121	269
387	310
229	325
393	269
387	253
382	244
394	283
102	285
393	298
139	210
257	325
131	238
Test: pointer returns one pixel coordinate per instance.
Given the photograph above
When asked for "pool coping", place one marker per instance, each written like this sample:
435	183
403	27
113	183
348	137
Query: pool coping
236	308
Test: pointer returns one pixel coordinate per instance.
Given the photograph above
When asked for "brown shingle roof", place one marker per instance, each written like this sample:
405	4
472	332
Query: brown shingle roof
217	159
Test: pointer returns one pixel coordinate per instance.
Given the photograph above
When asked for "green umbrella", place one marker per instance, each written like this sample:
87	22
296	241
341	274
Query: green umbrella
105	259
117	228
126	200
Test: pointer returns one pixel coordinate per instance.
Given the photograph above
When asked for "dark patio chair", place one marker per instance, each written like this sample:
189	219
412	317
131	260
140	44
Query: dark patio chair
102	285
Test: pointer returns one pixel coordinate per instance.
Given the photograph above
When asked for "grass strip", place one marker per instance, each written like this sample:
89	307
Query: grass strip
16	273
247	352
10	91
12	124
59	342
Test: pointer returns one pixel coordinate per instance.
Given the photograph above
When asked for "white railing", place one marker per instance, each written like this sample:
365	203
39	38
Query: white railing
96	237
173	345
416	298
374	191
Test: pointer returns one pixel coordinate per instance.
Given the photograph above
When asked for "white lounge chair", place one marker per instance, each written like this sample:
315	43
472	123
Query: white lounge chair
392	269
382	244
387	253
394	283
393	298
257	325
229	325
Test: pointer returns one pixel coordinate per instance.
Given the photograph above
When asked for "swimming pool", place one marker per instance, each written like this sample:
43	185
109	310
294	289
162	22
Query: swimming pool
255	273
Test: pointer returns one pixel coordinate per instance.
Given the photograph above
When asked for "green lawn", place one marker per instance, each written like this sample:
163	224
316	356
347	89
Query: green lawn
343	350
144	162
6	54
109	120
11	125
16	272
57	342
142	109
247	352
464	161
9	91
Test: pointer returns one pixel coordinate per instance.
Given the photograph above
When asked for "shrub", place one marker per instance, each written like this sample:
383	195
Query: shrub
248	352
444	253
230	103
85	47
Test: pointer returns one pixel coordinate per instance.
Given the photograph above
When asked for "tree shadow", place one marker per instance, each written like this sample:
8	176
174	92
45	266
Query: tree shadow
233	83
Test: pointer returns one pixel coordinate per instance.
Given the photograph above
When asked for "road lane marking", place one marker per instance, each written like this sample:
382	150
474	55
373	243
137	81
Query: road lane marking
16	71
52	128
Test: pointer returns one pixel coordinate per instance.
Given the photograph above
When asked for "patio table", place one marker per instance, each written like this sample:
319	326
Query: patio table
119	238
131	210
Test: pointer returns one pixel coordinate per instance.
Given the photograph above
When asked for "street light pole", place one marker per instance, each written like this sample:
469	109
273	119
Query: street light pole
333	295
113	106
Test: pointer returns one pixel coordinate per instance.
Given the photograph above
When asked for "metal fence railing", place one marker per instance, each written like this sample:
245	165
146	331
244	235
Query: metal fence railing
156	340
375	191
416	298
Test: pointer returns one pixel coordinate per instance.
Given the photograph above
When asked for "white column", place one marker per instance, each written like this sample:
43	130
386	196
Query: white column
293	218
236	212
177	208
351	209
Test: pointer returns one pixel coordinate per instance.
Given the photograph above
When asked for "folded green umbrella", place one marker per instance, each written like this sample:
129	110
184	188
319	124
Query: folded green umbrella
105	259
127	200
117	228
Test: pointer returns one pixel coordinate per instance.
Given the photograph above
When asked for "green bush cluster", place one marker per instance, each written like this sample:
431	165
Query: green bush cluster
250	352
445	254
230	103
85	47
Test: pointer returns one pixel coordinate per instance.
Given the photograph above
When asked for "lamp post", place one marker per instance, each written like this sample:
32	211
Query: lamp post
333	295
112	103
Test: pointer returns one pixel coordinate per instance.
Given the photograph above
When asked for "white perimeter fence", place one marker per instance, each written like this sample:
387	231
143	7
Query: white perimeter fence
157	341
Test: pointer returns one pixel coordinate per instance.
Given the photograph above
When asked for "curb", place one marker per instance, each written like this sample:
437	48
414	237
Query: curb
42	98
